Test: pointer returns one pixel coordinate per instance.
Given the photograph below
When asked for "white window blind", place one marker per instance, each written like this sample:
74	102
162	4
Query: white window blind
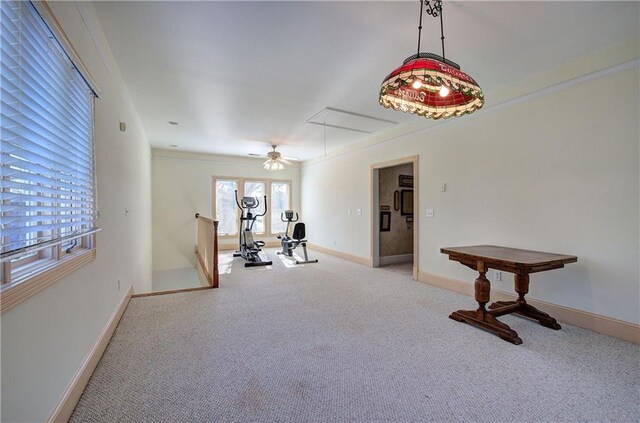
47	181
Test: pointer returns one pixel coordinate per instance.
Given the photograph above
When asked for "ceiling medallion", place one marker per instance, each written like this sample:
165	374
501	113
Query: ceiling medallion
429	85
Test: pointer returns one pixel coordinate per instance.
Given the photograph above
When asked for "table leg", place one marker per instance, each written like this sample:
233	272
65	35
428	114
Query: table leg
524	309
480	317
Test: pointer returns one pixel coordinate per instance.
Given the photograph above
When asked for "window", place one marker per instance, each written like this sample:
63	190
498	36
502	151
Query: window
47	192
256	189
227	212
226	209
279	203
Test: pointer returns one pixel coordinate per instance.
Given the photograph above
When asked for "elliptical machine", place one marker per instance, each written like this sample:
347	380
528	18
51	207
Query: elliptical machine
290	243
249	249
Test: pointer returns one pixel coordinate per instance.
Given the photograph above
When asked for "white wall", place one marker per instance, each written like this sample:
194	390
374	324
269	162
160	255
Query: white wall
46	338
182	187
556	173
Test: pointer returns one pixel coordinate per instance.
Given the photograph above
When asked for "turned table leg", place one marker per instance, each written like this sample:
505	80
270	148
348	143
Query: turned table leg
480	317
522	288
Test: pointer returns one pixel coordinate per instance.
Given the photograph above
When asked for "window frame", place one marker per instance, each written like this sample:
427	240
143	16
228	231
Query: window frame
214	199
240	183
270	194
41	266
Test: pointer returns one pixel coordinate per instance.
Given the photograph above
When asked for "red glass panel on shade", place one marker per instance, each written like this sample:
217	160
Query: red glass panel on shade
398	91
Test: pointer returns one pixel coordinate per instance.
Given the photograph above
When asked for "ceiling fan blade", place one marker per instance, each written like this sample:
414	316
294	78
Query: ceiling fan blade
293	159
285	161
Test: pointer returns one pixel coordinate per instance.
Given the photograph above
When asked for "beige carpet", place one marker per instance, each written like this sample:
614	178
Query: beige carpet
337	341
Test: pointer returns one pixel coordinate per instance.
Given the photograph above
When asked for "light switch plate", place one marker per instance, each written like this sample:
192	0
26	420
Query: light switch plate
429	212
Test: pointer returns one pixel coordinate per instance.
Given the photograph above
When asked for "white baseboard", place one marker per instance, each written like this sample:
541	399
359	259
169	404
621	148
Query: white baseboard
397	259
595	322
72	394
366	261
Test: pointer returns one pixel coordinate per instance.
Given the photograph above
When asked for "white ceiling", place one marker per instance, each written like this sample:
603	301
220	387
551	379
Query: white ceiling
239	76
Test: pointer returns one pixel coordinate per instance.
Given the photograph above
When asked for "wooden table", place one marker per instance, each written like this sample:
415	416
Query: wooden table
519	262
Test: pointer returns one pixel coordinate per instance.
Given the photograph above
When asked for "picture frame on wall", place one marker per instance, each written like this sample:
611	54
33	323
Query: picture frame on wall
405	181
385	221
406	202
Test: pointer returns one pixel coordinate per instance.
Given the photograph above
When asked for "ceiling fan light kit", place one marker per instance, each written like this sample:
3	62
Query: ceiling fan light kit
275	162
429	85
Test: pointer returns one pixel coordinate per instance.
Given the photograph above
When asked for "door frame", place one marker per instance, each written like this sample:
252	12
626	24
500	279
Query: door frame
375	209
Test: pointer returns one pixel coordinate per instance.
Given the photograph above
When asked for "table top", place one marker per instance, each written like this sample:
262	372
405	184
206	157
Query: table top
510	256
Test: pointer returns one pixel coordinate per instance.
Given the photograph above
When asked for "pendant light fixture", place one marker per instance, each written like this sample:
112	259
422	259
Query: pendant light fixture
275	161
430	85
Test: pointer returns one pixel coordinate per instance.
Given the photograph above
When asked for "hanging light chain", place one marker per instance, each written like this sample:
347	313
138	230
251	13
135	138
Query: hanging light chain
439	7
434	10
420	26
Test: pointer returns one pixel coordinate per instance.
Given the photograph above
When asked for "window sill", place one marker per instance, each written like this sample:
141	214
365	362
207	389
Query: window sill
30	281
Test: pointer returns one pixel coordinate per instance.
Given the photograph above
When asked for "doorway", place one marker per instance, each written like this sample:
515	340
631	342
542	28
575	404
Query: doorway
394	224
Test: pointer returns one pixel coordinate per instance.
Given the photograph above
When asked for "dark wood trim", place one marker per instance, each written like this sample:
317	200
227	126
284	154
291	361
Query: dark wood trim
173	291
216	274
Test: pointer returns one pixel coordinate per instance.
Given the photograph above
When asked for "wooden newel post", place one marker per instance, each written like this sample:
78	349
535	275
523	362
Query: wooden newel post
216	276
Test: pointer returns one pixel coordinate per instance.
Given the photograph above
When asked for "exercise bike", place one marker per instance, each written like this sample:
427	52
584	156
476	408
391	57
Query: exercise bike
249	249
290	243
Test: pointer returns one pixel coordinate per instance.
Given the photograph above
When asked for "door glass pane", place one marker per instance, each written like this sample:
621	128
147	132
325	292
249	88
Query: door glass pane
226	209
279	203
256	189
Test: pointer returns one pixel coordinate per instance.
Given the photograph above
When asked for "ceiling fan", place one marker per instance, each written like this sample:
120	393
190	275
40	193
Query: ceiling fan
276	161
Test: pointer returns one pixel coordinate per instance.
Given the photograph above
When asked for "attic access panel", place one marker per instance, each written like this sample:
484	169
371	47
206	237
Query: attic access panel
350	121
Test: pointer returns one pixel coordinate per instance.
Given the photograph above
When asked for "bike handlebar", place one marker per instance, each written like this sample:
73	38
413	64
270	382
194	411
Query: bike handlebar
265	206
238	204
293	221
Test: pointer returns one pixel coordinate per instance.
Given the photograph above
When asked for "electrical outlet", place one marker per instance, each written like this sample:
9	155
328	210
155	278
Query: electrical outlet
497	275
118	285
